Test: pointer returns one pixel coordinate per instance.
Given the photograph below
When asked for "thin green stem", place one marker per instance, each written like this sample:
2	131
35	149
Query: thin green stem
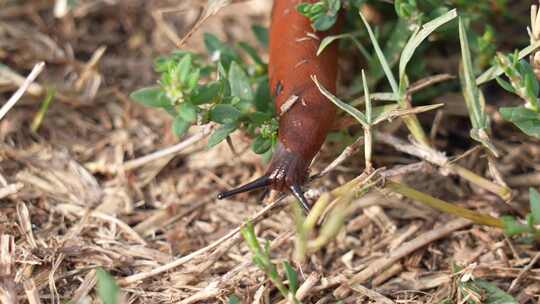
476	217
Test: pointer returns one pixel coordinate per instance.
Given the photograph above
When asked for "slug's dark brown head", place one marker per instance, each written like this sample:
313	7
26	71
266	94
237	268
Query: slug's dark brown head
287	172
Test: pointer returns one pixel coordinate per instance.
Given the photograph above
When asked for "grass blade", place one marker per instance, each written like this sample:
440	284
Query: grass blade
420	35
380	55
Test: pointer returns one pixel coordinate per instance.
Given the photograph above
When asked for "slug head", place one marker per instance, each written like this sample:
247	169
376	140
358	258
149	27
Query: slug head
287	172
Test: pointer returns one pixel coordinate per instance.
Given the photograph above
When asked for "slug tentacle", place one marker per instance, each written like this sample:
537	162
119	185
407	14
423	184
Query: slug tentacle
287	171
260	182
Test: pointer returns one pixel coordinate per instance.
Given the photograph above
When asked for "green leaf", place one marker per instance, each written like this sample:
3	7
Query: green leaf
219	50
526	120
493	294
475	104
183	69
369	117
260	145
252	52
497	70
151	97
324	23
329	39
505	85
259	118
224	113
239	82
534	198
292	277
233	299
188	112
263	98
107	288
512	227
420	35
220	134
342	105
261	33
206	93
180	126
193	79
382	59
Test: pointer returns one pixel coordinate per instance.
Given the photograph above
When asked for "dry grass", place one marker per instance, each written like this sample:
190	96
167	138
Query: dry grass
74	197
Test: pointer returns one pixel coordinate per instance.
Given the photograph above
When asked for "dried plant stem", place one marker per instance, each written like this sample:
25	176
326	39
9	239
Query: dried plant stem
137	278
8	294
435	157
10	189
38	68
407	248
523	273
528	179
138	162
32	293
475	217
375	296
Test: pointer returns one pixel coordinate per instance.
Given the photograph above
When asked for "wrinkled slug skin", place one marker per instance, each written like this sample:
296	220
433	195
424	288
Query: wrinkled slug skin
293	59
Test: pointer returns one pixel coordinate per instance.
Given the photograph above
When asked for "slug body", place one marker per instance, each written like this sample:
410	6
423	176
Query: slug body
305	115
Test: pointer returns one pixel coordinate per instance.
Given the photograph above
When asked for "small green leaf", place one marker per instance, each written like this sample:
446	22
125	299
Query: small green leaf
526	120
292	277
193	79
512	227
505	85
220	51
342	105
259	118
224	113
263	98
380	55
493	294
180	126
534	198
188	112
420	35
252	52
239	82
261	33
107	288
329	39
324	23
220	134
260	145
151	97
206	93
183	69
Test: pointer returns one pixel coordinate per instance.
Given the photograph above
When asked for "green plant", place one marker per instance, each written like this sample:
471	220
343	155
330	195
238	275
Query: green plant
230	90
522	82
513	227
322	14
475	291
261	258
107	288
474	98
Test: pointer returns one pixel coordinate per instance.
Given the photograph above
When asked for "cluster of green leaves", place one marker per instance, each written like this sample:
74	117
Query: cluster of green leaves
322	14
530	229
261	258
231	89
523	82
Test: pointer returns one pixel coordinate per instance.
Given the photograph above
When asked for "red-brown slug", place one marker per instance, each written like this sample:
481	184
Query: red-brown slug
305	115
